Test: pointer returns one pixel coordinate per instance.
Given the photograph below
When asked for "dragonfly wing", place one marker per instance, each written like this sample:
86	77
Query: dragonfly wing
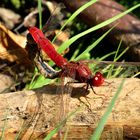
117	69
63	92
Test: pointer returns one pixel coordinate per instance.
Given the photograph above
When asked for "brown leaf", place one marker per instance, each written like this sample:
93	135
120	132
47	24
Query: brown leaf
12	47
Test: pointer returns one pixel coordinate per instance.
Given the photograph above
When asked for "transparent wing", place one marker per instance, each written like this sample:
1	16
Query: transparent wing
115	69
63	91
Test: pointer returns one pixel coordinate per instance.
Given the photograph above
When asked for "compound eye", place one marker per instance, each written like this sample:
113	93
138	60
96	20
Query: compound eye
98	74
98	79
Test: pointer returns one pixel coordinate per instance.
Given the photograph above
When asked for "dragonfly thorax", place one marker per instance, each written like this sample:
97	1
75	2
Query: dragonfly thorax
77	71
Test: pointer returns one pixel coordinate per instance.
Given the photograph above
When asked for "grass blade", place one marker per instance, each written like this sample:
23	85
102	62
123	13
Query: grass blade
4	126
103	120
40	14
74	15
67	43
93	45
59	126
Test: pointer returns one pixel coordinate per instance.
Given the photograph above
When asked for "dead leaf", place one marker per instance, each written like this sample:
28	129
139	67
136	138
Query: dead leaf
14	60
12	47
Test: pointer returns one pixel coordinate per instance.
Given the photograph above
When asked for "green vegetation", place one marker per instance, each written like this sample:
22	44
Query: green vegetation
109	71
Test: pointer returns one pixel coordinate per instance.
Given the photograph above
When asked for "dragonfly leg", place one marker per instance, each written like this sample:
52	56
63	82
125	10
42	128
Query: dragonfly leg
112	87
108	83
87	105
83	93
102	96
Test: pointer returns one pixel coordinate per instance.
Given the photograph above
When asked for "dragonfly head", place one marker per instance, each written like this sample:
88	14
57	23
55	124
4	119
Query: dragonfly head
97	80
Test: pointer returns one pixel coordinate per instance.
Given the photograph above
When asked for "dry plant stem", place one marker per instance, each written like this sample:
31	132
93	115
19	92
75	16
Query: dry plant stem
26	22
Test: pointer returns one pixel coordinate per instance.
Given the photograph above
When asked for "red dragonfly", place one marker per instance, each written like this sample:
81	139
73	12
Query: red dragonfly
75	70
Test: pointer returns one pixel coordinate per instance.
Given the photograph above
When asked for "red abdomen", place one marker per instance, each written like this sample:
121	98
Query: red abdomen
47	46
